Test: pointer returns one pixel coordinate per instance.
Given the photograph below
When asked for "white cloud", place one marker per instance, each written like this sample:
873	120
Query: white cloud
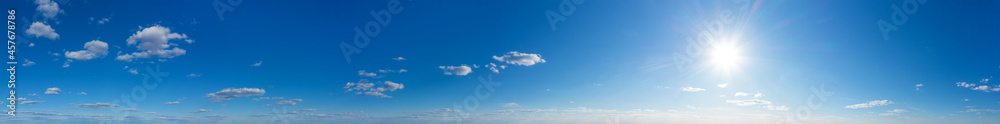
516	58
363	87
741	94
48	8
201	111
27	63
869	104
983	88
133	71
98	106
193	75
510	105
888	114
692	89
289	102
897	111
131	109
364	73
53	91
493	67
94	49
981	110
919	85
31	44
778	108
305	110
722	85
32	102
749	102
154	42
399	58
230	93
257	64
758	95
456	70
82	93
171	103
42	30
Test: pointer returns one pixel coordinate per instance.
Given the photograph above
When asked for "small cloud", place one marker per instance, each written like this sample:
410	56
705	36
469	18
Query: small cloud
399	58
257	64
888	114
918	86
31	44
776	108
741	94
365	73
749	102
897	111
98	106
82	93
53	91
692	89
230	93
193	75
31	102
523	59
27	63
201	111
133	71
456	70
131	109
722	85
869	104
510	105
171	103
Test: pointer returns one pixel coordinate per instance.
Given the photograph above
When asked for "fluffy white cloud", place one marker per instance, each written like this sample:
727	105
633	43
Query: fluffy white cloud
919	85
692	89
48	8
510	105
869	104
456	70
27	63
93	49
98	106
171	103
154	42
721	85
758	95
53	91
399	58
364	87
42	30
749	102
230	93
516	58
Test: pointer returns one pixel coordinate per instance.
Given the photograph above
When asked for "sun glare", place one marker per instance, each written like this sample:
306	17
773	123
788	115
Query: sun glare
726	56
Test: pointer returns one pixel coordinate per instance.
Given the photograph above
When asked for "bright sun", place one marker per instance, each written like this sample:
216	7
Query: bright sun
726	56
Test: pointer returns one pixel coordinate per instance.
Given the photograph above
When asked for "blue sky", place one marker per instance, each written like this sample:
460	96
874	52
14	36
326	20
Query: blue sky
569	61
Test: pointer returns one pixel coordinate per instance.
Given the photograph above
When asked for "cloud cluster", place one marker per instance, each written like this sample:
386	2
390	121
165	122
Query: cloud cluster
364	87
230	93
42	30
289	102
869	104
523	59
983	88
154	42
93	49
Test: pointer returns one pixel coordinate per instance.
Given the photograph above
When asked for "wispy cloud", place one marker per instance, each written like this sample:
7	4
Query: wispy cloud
869	104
